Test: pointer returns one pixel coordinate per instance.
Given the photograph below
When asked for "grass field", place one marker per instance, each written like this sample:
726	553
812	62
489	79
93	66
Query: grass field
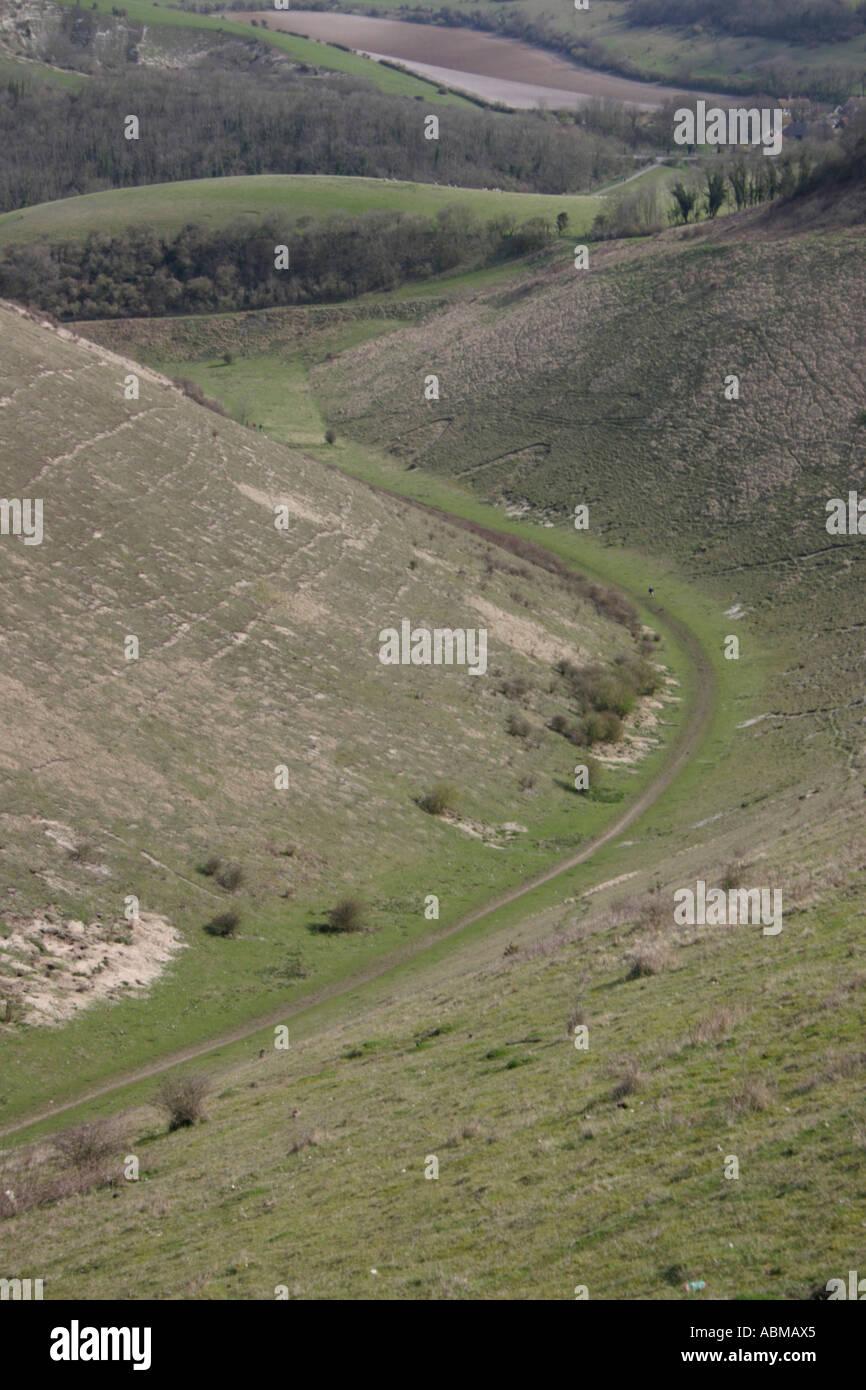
16	69
217	202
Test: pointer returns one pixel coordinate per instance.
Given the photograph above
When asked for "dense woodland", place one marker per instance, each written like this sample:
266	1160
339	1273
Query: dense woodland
139	272
57	143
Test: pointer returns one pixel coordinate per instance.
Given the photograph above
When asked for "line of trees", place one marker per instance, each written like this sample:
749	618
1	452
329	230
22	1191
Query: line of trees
739	183
795	21
138	273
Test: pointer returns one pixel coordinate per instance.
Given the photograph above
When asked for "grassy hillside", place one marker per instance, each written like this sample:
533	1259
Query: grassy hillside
634	368
557	1166
258	649
621	404
217	202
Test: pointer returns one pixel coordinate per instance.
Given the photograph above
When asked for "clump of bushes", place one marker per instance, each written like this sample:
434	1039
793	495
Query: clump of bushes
616	687
636	212
651	958
84	852
630	1079
193	391
517	726
603	696
228	876
347	916
183	1099
441	798
517	689
87	1144
754	1096
733	874
225	924
601	726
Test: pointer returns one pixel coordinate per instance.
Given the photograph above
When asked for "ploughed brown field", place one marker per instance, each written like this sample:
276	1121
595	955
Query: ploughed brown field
494	68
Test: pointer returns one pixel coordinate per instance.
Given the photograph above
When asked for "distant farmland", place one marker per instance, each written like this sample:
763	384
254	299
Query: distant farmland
490	60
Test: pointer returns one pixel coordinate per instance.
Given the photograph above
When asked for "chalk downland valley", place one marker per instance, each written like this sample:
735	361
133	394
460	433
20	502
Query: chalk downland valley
432	713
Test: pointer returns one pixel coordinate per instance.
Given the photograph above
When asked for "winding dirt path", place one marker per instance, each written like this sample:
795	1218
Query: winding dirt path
689	737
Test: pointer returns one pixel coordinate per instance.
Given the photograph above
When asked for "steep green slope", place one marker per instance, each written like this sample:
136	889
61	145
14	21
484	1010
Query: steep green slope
258	650
608	387
557	1166
609	1167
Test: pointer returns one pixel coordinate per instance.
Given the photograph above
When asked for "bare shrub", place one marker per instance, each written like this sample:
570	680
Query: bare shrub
441	798
718	1024
517	726
630	1079
754	1096
26	1193
84	852
330	436
347	916
517	689
842	1064
651	958
225	924
733	874
87	1144
655	910
210	866
837	996
195	393
307	1141
230	876
576	1019
182	1098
